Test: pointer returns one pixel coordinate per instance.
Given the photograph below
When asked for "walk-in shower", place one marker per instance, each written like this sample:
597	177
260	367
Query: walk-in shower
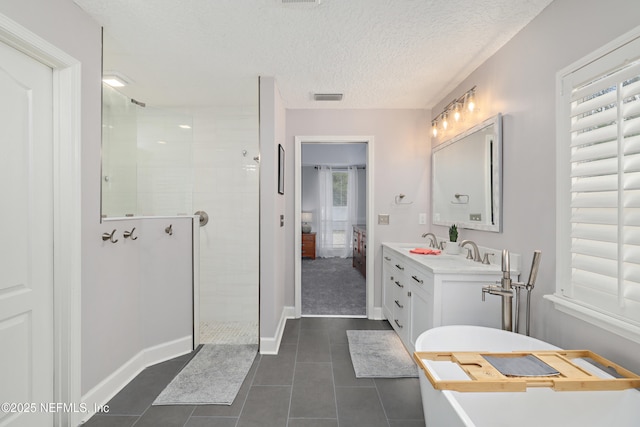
179	161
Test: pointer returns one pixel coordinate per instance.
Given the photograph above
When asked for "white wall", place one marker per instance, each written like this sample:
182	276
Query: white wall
273	248
401	165
519	81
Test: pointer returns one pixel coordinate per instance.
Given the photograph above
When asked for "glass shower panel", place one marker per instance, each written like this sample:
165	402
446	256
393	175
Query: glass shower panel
119	154
146	159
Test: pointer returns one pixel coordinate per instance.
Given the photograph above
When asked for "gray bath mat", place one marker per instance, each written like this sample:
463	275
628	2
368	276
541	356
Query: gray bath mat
380	354
212	377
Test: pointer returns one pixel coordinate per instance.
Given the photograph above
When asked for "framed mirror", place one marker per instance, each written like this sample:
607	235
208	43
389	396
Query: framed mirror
467	178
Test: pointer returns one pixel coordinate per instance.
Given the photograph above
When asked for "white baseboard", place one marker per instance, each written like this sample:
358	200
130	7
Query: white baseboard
376	314
271	345
110	386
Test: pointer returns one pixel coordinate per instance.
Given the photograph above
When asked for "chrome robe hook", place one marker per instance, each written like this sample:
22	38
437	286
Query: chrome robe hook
109	236
129	234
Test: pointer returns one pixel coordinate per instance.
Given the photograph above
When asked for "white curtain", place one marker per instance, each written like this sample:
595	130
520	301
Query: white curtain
324	234
330	244
352	209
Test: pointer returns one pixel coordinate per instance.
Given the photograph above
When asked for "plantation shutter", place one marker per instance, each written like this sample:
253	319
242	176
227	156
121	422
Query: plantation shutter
605	190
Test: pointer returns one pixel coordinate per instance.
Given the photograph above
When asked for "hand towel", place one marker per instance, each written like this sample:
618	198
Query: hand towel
425	251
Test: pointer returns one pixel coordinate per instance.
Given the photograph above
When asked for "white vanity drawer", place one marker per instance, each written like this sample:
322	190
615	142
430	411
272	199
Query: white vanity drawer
420	278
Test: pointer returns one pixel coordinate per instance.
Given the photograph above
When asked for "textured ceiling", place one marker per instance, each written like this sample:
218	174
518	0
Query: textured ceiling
379	53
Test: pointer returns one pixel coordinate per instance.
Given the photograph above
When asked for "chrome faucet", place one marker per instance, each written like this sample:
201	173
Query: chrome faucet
476	251
433	240
505	291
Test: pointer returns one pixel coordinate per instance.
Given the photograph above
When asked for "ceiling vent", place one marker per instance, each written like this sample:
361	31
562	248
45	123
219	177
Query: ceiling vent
327	97
310	2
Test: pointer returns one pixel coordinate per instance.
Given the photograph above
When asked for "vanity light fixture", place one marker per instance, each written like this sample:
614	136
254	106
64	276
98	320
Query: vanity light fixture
457	109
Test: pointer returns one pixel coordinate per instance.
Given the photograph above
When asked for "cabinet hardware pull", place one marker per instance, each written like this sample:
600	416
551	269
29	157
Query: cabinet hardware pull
398	304
399	267
399	284
417	280
398	323
387	258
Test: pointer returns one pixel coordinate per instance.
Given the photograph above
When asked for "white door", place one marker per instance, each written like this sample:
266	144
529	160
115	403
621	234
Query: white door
26	240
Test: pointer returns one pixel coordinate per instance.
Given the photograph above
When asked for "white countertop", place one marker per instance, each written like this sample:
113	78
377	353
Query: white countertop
454	264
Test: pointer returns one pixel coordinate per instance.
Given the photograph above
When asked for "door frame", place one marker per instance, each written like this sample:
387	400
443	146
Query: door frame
67	217
299	140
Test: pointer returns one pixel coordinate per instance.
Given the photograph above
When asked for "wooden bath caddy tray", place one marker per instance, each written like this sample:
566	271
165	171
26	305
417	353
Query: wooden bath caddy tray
483	376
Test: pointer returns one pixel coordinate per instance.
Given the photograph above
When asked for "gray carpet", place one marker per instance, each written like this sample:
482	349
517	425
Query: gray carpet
380	354
213	376
331	286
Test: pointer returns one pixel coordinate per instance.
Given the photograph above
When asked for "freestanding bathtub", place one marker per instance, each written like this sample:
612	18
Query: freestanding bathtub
533	408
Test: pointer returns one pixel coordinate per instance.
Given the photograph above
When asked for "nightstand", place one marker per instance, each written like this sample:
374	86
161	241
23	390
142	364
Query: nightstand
309	245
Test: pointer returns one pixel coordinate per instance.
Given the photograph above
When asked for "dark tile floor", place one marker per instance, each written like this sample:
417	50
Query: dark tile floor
310	383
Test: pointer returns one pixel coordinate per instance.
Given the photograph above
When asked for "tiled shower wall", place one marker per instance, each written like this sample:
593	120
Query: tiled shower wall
225	143
165	173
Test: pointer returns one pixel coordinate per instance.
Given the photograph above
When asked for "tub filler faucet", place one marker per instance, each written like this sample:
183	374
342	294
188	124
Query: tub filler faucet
508	290
504	290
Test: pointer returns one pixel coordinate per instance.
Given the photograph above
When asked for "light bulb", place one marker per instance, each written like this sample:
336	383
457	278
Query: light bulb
434	128
471	102
445	122
456	112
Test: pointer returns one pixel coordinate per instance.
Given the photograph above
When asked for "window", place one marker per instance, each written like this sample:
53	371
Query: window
598	189
340	211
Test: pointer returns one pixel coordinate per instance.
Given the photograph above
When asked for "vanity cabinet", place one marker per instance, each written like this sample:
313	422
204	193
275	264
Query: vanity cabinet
397	295
421	293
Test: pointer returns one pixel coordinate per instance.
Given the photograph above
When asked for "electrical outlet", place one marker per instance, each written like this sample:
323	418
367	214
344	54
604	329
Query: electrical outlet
475	217
422	219
383	219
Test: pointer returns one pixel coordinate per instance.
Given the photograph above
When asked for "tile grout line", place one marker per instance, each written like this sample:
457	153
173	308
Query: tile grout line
386	417
293	376
189	417
249	388
333	377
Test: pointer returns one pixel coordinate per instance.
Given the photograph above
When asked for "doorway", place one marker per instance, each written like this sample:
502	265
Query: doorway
330	172
51	361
